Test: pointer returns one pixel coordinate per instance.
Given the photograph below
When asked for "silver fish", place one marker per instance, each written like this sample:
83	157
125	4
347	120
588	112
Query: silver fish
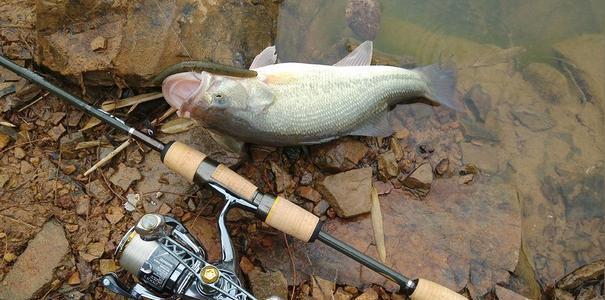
296	103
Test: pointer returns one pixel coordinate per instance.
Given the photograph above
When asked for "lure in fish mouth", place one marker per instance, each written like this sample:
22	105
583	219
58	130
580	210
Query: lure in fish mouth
296	103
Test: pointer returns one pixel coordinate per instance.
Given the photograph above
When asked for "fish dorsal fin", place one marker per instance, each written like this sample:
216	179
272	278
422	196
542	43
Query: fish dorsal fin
265	58
378	126
360	56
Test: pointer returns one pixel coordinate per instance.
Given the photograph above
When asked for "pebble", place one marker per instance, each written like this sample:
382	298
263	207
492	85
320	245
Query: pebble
283	180
246	265
397	150
19	153
107	266
339	155
125	176
83	206
442	167
321	208
306	178
4	140
387	165
56	132
421	179
268	284
98	190
465	179
402	134
322	288
95	250
132	200
308	193
368	294
68	169
348	192
340	294
164	209
114	215
74	278
98	43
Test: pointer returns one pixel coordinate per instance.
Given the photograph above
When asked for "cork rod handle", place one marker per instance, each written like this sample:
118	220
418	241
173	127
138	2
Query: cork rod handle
428	290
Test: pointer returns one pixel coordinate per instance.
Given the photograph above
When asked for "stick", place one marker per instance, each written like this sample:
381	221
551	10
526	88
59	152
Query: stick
108	157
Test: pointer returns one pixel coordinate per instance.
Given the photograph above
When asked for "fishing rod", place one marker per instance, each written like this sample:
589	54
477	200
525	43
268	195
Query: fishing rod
276	211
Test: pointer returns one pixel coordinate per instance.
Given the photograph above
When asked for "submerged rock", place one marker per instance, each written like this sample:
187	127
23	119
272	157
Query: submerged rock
535	121
363	17
348	192
136	40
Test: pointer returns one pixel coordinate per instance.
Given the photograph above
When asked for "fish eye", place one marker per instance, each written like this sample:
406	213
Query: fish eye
219	99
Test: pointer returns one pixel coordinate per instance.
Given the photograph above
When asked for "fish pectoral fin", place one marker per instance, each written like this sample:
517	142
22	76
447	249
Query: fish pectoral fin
228	142
360	56
265	58
378	126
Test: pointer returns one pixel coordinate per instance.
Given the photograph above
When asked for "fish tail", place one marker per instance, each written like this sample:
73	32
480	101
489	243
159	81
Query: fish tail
442	85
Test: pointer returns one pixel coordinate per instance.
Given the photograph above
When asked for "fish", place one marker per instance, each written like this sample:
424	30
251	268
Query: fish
301	104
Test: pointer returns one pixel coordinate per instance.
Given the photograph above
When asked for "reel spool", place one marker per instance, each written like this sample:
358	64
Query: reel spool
168	262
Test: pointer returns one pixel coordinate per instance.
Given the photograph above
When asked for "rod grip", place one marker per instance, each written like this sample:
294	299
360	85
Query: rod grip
428	290
234	182
291	219
183	159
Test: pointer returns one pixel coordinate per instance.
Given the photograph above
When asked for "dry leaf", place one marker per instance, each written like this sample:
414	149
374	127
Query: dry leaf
378	226
111	105
177	125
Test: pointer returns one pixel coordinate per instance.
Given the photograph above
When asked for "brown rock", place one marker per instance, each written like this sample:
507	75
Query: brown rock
56	132
368	294
19	153
466	179
442	167
563	295
95	250
342	295
339	155
387	165
98	190
107	266
322	289
308	193
321	208
114	215
56	117
363	17
267	284
98	43
421	179
348	192
506	294
4	140
396	148
74	278
83	206
125	176
283	180
68	169
402	134
35	267
351	290
26	167
246	265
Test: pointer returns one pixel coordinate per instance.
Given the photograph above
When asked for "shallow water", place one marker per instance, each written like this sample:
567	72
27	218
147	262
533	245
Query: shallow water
530	74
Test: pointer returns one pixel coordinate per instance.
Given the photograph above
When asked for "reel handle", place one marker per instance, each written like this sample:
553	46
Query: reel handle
277	212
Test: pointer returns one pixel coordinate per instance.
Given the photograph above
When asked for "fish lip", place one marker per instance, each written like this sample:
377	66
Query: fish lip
180	90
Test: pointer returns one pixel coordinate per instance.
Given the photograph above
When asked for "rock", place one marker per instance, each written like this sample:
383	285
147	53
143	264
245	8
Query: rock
339	155
267	284
481	156
308	193
125	176
348	192
383	188
506	294
420	180
478	131
535	121
74	278
442	167
387	165
380	58
563	295
35	266
342	295
351	290
321	208
164	209
95	250
368	294
26	167
83	206
114	215
3	179
306	178
478	102
396	148
73	119
99	44
246	265
56	132
107	266
19	153
581	275
68	169
465	179
98	190
56	117
322	289
132	200
68	144
4	140
283	180
363	17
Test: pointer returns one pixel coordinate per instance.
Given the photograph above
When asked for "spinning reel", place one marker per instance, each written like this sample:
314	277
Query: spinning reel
169	262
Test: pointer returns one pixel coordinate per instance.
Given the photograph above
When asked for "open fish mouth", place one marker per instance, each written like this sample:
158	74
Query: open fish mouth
180	90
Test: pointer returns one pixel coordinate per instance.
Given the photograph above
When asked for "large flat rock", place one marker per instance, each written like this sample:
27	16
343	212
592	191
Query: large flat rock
459	236
35	266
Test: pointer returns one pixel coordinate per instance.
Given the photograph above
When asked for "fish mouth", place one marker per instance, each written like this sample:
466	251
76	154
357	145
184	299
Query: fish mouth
180	90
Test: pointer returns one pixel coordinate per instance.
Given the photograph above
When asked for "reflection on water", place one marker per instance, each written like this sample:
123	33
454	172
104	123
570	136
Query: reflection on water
530	74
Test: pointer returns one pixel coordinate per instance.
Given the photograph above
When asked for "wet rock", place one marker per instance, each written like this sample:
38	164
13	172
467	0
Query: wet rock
481	157
267	284
99	43
420	180
322	289
387	165
283	180
35	266
442	167
478	102
466	179
506	294
340	155
535	121
125	176
477	131
308	193
368	294
363	17
321	208
380	58
581	275
98	190
383	188
348	192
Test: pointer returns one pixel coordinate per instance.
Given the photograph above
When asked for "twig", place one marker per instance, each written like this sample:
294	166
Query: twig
293	266
109	186
108	157
163	117
33	102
